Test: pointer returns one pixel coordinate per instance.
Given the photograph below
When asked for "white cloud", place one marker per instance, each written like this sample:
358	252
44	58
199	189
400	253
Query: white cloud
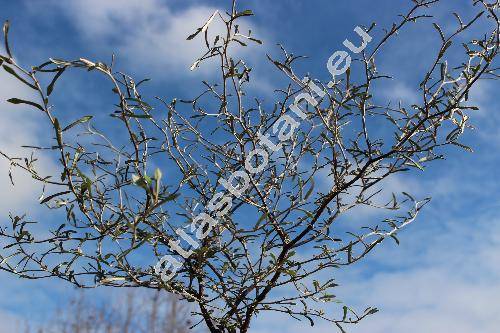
445	281
441	279
148	34
363	215
397	91
19	126
10	323
30	302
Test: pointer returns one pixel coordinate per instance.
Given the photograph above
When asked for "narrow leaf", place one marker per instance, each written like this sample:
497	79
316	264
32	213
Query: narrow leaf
17	76
247	12
50	88
50	197
111	279
204	27
79	121
6	27
58	132
22	101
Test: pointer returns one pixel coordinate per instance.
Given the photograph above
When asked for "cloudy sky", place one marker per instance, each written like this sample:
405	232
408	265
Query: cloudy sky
445	274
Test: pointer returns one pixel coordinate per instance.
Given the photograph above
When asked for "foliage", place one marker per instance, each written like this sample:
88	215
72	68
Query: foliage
281	234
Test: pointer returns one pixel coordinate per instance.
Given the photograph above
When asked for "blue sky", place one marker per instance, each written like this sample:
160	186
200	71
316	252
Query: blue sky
445	274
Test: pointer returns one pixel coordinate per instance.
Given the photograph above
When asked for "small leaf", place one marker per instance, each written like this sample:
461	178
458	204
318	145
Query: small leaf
247	12
395	239
441	34
259	221
194	65
13	73
453	134
413	163
86	183
166	199
111	279
141	82
79	121
158	174
141	181
309	192
240	42
248	37
141	116
50	197
58	132
461	145
60	62
446	46
22	101
204	27
87	62
140	102
194	34
148	179
6	27
135	179
5	59
344	315
311	321
258	41
50	88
